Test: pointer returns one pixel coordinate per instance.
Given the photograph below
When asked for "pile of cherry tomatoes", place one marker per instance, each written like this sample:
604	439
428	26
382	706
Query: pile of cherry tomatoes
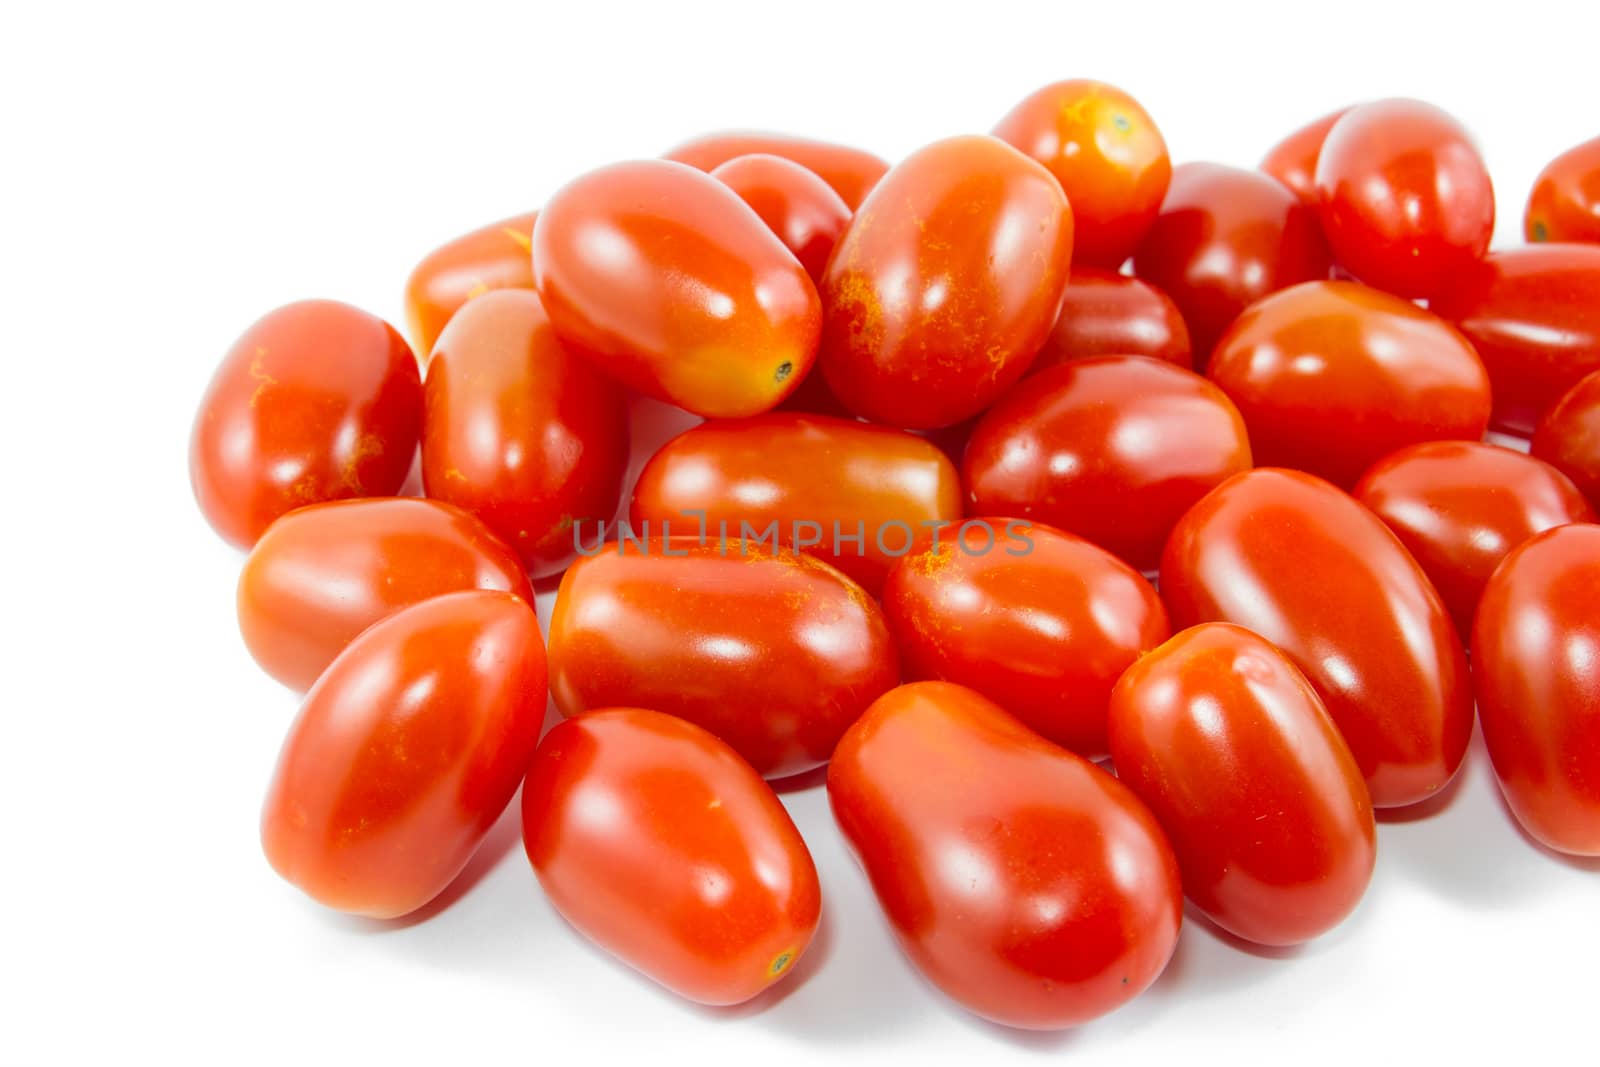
957	411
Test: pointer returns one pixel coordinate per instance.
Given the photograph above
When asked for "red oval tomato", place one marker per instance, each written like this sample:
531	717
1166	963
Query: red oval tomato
1233	751
851	172
801	208
1114	450
519	431
1569	437
663	847
1565	202
1029	885
317	401
1302	564
406	751
1108	314
1107	154
945	284
672	285
496	256
1293	160
1038	621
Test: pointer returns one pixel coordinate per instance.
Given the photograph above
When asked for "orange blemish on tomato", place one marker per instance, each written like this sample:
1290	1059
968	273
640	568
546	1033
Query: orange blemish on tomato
369	446
477	290
522	240
263	379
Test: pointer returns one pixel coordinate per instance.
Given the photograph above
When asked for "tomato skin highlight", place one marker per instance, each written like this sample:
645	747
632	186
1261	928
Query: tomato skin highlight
1293	160
1565	202
697	876
799	207
1568	437
1030	886
851	172
1229	746
1108	314
405	753
496	256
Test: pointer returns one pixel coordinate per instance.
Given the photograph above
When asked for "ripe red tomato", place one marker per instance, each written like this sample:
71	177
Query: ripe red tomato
1225	238
776	653
1108	314
663	847
1114	450
945	284
1029	885
860	493
1406	201
1302	564
406	751
801	208
519	431
1038	621
1459	507
1533	313
1333	376
1538	681
497	256
1565	202
317	401
1233	751
1293	160
851	172
1569	437
1107	154
676	288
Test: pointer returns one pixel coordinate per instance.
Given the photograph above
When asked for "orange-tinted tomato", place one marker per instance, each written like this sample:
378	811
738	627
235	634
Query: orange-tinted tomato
776	653
1225	740
1026	883
1108	314
945	284
851	172
1114	450
317	401
521	432
1038	621
852	494
322	574
1107	154
675	287
406	751
497	256
1569	437
695	874
1459	507
801	208
1302	564
1293	160
1406	202
1565	202
1333	376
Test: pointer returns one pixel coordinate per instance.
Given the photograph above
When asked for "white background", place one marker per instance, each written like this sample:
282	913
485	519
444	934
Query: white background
171	172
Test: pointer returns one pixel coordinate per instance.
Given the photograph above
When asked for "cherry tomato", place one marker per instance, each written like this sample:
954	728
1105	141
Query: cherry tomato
1406	202
1333	376
851	172
858	494
1039	621
1114	450
1569	437
1293	160
695	875
1108	314
522	433
1107	154
676	288
776	653
497	256
945	284
801	208
317	401
1302	564
1459	507
406	751
1565	202
1533	313
1029	885
1225	238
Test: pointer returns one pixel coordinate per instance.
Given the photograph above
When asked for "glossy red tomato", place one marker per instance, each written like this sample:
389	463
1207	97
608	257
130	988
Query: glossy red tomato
1569	437
1565	202
497	256
852	494
1225	740
693	874
675	287
1114	450
1225	238
406	751
851	172
1026	883
1038	621
1406	201
1459	507
1333	376
1533	313
776	653
521	432
1538	682
801	208
1293	160
317	401
1302	564
945	284
1108	314
1107	154
322	574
